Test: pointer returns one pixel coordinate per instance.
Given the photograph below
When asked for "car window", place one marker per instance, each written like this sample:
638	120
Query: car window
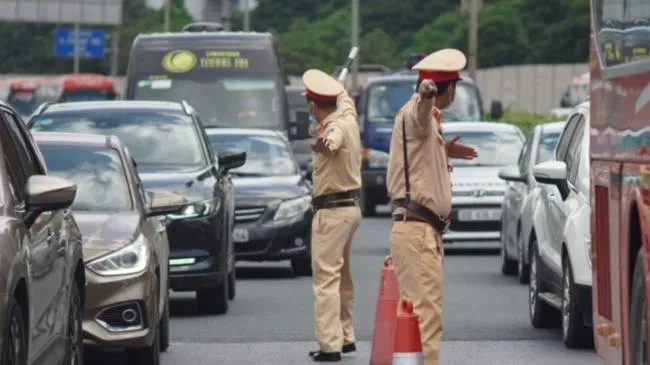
265	155
546	147
573	155
494	148
524	154
23	145
13	161
565	138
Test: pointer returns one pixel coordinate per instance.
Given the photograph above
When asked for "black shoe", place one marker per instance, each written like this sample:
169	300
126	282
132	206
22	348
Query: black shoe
321	356
351	347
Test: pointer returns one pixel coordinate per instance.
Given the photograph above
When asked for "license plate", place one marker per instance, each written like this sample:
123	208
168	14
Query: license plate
479	215
240	235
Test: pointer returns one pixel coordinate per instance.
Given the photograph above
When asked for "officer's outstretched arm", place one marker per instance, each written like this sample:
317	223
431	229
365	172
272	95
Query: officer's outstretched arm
345	105
333	136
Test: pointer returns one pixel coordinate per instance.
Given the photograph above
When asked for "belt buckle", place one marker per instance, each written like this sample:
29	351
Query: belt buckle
446	223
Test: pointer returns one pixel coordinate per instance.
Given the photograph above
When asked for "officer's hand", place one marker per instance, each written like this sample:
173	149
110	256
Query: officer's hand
428	89
319	146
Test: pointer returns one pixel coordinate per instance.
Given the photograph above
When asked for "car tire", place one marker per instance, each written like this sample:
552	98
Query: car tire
149	355
14	344
508	265
214	300
368	206
301	266
542	314
164	326
232	284
523	269
75	350
574	332
638	316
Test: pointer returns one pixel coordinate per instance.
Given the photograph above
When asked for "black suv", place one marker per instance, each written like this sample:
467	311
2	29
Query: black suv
172	152
43	283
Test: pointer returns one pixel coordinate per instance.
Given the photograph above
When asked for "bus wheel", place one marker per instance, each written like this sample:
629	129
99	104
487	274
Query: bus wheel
638	315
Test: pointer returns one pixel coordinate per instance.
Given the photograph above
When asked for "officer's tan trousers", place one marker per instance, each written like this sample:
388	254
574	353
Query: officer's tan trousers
332	233
417	252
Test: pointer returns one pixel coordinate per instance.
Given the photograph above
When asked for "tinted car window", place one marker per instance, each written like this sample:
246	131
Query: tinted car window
154	138
265	156
572	158
546	147
98	173
494	149
23	145
87	95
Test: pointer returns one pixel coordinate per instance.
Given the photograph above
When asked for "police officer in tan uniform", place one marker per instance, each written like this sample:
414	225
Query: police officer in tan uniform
336	190
420	188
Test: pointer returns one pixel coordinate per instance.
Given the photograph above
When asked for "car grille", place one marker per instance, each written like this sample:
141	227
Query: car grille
246	214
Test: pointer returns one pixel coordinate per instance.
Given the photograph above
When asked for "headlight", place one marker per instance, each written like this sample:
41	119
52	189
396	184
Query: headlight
377	159
291	208
198	209
130	259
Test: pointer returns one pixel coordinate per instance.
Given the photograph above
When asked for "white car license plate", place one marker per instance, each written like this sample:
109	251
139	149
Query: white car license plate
240	235
479	215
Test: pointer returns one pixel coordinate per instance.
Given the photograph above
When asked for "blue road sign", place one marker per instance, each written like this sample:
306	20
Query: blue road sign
92	43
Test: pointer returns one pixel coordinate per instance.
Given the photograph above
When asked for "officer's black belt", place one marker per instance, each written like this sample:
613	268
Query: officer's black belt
336	200
433	219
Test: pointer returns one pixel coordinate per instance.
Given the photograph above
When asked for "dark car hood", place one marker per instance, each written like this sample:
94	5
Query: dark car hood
181	181
106	232
266	189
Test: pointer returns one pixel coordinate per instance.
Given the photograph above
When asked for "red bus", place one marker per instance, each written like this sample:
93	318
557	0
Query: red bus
620	178
21	96
79	87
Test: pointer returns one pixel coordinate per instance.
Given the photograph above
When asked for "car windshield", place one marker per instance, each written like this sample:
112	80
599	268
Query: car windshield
98	173
546	148
23	102
87	95
265	155
227	101
153	137
385	100
493	148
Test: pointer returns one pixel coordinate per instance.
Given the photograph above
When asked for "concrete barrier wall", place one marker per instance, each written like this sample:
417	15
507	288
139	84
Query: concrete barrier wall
532	88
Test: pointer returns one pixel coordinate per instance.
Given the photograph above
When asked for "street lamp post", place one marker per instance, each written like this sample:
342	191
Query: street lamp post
168	6
355	43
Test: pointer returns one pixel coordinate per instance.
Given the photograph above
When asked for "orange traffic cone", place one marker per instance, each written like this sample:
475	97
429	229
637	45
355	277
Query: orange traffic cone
408	346
383	337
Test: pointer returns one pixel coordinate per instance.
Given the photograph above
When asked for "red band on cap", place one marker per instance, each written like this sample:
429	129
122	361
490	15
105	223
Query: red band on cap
439	75
320	97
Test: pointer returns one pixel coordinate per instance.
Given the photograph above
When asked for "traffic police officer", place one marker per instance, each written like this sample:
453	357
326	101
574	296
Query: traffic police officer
336	190
420	188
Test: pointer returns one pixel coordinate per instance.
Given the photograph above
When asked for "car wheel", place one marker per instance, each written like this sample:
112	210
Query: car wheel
574	332
638	315
14	344
523	269
542	315
75	351
301	266
508	265
164	326
368	206
232	282
214	300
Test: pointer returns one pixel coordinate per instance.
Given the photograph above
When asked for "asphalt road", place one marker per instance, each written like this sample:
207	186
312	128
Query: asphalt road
269	322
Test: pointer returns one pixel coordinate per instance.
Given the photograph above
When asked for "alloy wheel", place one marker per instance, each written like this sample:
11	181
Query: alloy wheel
74	332
532	286
566	304
15	341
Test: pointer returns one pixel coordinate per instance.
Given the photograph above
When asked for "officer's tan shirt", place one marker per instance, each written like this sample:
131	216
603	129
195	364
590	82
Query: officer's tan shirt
427	158
339	169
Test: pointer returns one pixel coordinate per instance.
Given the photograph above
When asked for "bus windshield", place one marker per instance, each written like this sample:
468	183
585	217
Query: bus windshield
386	99
87	95
228	85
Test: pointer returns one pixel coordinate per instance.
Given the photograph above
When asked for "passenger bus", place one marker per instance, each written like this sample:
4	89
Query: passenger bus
21	96
76	87
233	79
620	178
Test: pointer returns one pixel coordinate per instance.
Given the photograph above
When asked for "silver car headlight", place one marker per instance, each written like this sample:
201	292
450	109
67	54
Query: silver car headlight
377	159
292	208
197	209
130	259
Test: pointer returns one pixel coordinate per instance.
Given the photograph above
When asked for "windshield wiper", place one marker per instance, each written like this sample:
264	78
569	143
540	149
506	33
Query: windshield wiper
246	174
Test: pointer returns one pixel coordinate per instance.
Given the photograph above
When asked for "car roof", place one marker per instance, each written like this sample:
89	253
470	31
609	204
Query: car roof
239	131
78	139
478	126
140	105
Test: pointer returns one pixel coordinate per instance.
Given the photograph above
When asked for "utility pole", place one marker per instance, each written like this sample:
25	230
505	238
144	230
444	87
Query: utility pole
168	9
225	14
472	8
77	51
247	15
355	43
115	52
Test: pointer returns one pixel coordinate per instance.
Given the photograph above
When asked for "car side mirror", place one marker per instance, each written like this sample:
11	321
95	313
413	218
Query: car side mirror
164	202
46	193
511	173
300	125
553	173
231	159
496	110
308	172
